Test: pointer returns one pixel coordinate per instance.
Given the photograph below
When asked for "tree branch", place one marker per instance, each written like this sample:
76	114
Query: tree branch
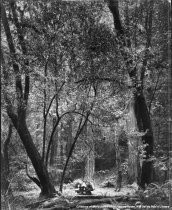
54	98
26	24
113	6
54	129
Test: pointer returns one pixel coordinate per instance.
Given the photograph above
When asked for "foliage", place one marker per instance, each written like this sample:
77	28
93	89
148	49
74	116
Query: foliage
156	193
73	53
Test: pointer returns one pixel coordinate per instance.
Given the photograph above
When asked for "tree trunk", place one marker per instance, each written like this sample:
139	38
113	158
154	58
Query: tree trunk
118	163
144	124
60	148
47	188
69	134
54	146
90	158
133	143
44	111
90	163
133	161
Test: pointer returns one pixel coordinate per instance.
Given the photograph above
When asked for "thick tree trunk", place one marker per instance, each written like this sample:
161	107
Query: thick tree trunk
144	125
133	143
139	120
133	164
47	188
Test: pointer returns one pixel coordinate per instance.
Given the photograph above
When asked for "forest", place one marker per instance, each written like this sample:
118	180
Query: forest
86	104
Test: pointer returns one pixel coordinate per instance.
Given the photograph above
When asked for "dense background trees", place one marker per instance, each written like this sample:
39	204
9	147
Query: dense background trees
75	76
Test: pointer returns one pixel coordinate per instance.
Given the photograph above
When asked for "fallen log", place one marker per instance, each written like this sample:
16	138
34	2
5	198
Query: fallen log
117	197
35	205
97	202
65	203
57	207
82	197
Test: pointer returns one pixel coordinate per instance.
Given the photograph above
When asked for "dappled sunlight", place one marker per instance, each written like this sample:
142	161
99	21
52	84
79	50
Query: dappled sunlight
85	104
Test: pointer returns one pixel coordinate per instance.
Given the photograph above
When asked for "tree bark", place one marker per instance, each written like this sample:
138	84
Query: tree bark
133	143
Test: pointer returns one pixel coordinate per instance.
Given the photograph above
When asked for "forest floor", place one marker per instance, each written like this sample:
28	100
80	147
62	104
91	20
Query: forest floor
101	191
31	195
28	193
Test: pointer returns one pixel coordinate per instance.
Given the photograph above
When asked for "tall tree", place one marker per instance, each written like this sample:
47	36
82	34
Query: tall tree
18	114
136	75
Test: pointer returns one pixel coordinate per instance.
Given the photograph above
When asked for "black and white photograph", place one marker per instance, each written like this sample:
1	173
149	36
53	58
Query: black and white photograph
86	104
